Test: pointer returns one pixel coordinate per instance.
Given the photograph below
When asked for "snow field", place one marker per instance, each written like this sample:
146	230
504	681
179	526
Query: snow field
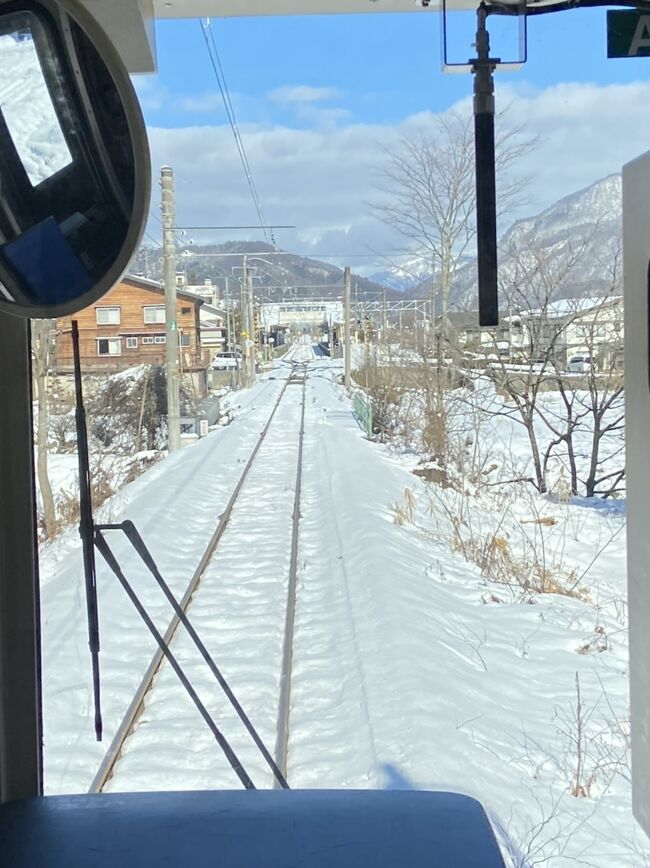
175	506
407	672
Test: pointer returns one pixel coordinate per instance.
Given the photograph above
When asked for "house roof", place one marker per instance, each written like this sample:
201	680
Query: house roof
213	311
159	288
574	306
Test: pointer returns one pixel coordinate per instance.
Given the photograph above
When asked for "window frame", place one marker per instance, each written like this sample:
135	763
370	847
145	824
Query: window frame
107	307
147	308
134	343
109	339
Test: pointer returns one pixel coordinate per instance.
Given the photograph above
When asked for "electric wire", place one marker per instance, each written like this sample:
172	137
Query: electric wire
215	60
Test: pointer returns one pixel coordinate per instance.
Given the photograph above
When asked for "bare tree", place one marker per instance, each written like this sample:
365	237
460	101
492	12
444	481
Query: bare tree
430	194
601	404
530	284
42	348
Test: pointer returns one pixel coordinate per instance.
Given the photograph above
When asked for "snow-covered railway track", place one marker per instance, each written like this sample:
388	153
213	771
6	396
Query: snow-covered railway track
243	608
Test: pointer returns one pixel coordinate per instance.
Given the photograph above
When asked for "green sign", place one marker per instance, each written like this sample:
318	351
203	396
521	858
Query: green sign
628	33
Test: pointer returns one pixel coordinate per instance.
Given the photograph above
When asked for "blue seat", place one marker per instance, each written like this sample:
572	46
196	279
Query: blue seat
249	829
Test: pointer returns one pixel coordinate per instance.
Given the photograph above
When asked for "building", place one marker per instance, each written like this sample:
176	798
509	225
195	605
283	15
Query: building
590	326
214	331
126	327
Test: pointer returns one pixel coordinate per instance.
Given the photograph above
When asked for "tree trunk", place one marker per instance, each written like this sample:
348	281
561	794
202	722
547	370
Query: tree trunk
590	483
537	461
41	330
572	463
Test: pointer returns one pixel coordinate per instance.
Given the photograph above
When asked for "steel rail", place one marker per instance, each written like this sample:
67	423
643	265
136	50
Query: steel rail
136	707
284	708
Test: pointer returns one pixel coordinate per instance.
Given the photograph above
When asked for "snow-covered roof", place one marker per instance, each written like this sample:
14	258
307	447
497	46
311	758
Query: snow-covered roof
572	306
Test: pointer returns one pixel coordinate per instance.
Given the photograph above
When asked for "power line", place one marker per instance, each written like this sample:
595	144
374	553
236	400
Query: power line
217	68
284	253
228	228
151	238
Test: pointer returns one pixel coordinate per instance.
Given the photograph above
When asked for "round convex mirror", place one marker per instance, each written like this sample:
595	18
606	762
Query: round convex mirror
75	174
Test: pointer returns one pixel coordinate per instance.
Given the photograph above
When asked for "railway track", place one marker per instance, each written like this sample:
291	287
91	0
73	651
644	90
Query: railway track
242	605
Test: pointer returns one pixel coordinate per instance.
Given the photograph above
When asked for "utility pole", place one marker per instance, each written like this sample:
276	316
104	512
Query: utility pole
251	330
347	350
171	345
244	321
384	318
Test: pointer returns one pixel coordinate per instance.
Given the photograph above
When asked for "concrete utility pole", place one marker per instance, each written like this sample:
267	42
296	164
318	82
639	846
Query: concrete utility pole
247	323
171	345
251	320
384	317
346	326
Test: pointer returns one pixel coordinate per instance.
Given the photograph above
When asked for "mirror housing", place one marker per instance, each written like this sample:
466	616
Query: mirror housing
75	173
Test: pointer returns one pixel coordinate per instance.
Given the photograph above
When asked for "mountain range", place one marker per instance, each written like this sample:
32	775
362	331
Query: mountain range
583	229
276	272
577	241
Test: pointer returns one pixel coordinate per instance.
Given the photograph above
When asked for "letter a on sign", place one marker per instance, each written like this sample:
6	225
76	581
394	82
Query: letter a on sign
641	38
628	33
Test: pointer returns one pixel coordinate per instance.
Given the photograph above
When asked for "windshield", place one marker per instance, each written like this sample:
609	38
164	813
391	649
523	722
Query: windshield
400	535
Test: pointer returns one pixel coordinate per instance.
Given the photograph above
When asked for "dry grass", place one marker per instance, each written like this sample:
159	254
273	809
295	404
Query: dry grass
404	509
497	562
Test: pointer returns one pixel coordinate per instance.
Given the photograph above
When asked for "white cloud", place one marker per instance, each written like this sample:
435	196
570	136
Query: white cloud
303	93
322	179
204	102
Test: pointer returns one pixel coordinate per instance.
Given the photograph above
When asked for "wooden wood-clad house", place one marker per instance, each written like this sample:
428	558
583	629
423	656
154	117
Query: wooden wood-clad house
127	327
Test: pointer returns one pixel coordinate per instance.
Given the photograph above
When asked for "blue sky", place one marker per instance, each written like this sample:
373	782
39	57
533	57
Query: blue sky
320	99
381	68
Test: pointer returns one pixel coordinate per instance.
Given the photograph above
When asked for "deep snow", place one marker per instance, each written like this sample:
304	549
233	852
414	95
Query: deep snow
407	673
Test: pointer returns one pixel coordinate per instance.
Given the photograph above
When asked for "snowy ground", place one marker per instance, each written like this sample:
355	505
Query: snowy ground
407	671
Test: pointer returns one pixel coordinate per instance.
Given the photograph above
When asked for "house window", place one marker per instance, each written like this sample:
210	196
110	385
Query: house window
131	343
582	331
109	347
154	313
160	339
186	340
147	340
108	315
186	310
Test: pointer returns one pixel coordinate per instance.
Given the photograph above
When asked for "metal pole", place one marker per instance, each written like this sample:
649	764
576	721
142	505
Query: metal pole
246	322
486	212
251	321
346	327
384	318
171	345
20	669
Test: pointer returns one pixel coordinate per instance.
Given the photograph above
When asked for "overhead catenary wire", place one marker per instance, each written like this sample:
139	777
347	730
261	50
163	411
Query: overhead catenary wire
215	60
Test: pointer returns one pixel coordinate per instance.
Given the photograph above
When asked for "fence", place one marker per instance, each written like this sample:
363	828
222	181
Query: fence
363	411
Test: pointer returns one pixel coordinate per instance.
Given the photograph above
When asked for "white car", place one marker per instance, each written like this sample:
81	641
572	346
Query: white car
227	361
580	364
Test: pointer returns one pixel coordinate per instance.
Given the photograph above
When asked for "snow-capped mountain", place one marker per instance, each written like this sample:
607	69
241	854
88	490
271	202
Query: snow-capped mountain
406	276
578	240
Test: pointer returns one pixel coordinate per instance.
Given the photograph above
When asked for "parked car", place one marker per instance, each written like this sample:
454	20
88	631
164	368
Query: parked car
227	361
580	364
